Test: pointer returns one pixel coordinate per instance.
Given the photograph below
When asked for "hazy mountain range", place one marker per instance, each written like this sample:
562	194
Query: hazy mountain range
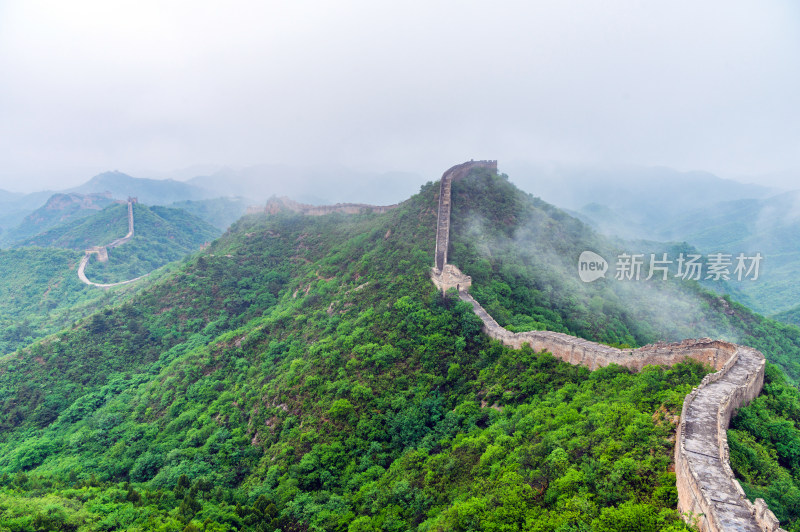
657	204
303	373
714	215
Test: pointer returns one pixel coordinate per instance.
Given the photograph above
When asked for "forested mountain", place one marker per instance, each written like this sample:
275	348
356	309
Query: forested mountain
303	373
40	292
711	214
219	212
59	209
149	191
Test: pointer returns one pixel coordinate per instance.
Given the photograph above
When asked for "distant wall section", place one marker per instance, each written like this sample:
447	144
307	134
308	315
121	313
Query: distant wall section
275	205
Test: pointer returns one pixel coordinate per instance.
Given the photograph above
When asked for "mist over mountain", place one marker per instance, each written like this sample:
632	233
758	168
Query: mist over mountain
219	212
305	370
15	207
59	208
631	201
150	191
711	214
315	185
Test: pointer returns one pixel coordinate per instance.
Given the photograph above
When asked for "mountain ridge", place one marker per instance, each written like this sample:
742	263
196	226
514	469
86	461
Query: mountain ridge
303	373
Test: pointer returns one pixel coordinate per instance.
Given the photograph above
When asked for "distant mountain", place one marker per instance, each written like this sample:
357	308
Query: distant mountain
15	207
156	222
315	185
60	208
711	214
219	212
768	226
630	201
149	191
6	196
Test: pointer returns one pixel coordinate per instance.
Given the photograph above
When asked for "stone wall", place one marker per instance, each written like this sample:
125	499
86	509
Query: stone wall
129	235
450	277
274	205
708	493
102	253
455	173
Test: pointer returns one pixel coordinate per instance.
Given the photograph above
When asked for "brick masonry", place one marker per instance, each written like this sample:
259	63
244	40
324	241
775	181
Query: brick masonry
708	493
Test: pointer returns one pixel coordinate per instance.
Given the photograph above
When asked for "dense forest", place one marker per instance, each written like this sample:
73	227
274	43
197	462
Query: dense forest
302	373
40	294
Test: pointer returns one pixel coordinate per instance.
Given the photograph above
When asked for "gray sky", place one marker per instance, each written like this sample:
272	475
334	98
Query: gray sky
144	86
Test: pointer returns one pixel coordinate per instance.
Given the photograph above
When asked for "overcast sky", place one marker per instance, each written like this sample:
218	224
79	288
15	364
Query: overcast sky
145	86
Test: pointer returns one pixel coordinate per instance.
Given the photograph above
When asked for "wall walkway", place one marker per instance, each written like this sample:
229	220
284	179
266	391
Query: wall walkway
102	254
708	492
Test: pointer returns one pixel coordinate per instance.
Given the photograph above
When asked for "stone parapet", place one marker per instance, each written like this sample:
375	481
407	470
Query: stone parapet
708	493
707	489
275	205
102	252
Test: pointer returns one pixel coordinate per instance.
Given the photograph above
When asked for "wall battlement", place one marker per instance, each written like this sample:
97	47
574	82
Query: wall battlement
707	489
102	252
274	205
454	173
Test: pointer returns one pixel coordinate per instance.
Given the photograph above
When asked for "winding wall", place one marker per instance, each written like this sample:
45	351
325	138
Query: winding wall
276	204
102	253
708	493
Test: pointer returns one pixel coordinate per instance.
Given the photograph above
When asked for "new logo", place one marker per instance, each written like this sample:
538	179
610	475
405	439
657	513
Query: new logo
591	266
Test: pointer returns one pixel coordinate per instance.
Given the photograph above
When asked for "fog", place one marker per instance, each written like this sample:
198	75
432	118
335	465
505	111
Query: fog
153	88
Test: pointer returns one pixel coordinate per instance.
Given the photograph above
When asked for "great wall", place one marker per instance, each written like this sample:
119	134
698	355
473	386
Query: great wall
102	253
709	496
708	493
276	204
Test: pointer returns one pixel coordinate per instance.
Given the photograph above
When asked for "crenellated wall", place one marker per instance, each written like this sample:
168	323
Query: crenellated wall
276	204
708	493
455	173
102	253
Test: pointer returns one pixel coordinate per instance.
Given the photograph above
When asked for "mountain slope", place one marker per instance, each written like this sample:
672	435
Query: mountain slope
219	212
162	235
15	207
149	191
303	373
40	294
59	209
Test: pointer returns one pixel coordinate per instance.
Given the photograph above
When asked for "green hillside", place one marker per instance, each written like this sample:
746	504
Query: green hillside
302	373
41	294
162	235
154	222
59	209
219	212
790	316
